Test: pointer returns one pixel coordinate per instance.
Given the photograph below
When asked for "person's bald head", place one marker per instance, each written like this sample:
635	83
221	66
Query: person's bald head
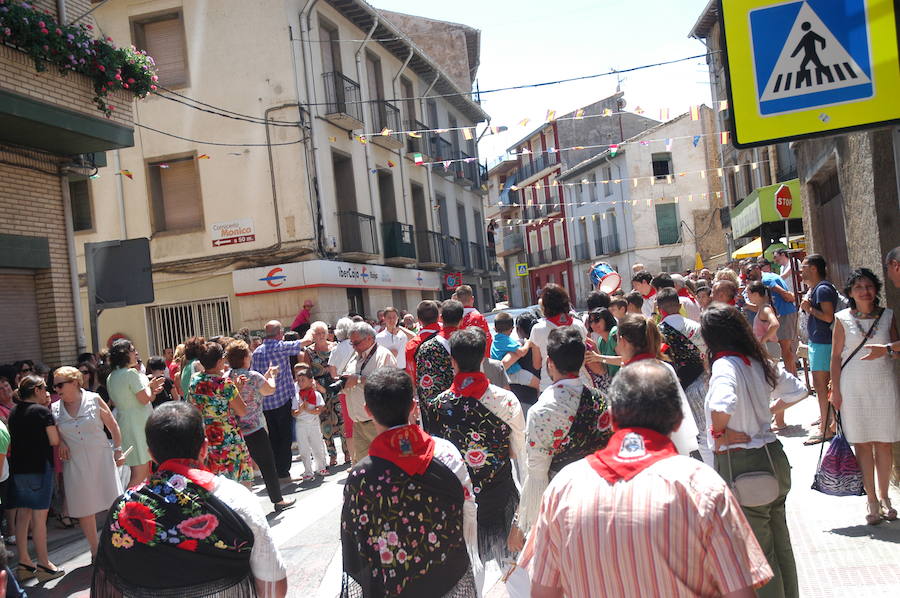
645	394
724	291
274	329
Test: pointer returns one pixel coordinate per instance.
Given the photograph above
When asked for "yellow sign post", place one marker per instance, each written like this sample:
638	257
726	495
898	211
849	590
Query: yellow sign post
803	68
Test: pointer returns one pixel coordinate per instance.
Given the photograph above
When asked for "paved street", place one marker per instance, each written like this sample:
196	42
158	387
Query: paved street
837	554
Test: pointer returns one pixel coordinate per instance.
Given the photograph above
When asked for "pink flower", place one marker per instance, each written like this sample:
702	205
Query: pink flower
118	77
130	80
90	27
475	458
45	31
199	527
401	556
41	24
109	39
432	537
154	78
393	539
153	88
101	68
386	557
58	31
364	519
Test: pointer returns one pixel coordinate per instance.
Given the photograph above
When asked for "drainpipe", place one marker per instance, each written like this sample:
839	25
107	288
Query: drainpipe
364	96
431	198
61	16
80	339
625	219
120	196
402	151
310	95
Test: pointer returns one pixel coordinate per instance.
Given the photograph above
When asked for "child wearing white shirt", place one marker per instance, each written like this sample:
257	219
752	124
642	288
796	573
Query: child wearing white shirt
306	407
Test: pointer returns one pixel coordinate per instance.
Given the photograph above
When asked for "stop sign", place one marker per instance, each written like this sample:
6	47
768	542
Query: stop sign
784	201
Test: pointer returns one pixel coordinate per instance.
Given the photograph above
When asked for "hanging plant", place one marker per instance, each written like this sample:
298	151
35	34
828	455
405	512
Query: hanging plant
74	48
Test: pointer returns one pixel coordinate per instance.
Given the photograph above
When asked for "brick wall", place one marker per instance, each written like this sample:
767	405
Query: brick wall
31	204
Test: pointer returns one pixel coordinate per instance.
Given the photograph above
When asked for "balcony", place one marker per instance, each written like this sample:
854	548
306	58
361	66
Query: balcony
358	238
492	263
385	116
541	162
399	247
416	145
430	246
558	253
441	149
477	261
467	168
582	252
606	245
454	252
342	101
553	208
512	243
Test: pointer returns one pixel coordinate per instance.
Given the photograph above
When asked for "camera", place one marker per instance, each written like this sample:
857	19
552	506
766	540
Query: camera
338	385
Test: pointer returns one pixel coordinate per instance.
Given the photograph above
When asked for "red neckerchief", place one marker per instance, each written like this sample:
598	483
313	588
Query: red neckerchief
640	357
683	292
446	331
192	470
308	395
562	319
652	292
629	452
743	357
470	384
431	328
407	447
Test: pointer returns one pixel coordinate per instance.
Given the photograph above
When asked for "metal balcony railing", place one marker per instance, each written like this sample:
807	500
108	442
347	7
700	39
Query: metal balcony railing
454	252
430	246
398	240
540	162
558	252
384	116
492	263
441	149
582	251
513	242
477	253
606	244
342	95
357	233
416	144
467	168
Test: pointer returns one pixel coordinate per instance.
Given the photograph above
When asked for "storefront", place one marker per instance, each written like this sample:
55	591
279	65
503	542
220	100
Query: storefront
769	213
336	288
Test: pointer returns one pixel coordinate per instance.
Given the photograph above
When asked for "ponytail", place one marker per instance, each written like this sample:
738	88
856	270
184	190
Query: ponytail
642	333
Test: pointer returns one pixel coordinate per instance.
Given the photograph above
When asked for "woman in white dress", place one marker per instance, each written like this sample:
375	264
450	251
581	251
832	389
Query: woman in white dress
89	461
866	391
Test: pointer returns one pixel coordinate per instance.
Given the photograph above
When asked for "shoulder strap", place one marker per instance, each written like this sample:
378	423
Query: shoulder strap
865	339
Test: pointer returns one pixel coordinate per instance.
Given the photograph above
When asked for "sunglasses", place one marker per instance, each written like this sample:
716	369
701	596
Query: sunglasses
25	371
59	385
41	386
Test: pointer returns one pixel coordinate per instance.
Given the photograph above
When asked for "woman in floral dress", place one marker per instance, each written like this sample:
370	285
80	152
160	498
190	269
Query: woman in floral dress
316	356
220	402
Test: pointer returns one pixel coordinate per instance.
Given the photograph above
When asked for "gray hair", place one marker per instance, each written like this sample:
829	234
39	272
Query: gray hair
892	256
646	395
361	328
342	329
318	326
678	279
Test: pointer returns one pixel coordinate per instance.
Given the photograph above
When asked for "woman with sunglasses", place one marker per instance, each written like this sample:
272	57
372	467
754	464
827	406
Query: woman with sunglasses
89	461
604	334
34	434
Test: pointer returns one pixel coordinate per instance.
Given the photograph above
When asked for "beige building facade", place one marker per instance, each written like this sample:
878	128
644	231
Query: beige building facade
248	164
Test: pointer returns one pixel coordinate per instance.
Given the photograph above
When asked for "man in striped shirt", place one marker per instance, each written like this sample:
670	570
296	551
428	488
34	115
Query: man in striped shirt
635	518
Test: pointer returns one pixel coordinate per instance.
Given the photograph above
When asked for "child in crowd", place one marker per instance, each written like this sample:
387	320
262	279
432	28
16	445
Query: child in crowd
618	307
157	368
703	295
509	351
306	407
635	303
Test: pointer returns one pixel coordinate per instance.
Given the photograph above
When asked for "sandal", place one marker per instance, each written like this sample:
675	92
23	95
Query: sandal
874	515
24	572
44	574
814	439
65	521
887	510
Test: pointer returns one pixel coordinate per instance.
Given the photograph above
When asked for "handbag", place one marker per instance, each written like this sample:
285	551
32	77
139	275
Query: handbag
838	473
754	488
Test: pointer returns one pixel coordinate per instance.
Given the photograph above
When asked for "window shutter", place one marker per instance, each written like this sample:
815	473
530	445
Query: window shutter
81	205
667	223
164	41
182	206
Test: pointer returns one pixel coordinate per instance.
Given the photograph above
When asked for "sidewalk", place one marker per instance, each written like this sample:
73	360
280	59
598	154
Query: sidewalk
837	554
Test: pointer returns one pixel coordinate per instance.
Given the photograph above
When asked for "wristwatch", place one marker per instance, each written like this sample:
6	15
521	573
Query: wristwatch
890	352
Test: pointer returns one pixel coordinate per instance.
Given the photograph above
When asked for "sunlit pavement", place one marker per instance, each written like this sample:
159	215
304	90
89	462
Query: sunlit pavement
837	554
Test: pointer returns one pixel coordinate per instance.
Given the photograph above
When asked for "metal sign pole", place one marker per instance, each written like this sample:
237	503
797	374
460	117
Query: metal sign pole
92	295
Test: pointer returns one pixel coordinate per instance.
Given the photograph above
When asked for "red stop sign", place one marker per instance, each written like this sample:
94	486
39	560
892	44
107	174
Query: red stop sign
784	201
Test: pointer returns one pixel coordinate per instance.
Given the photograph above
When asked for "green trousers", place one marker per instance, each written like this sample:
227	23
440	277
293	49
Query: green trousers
768	522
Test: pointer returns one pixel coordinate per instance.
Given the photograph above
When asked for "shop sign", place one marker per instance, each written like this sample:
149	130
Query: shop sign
232	232
327	273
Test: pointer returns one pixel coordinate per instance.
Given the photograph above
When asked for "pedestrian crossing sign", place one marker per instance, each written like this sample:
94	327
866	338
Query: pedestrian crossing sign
521	269
803	68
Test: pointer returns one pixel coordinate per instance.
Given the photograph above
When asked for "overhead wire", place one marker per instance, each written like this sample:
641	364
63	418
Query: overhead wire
137	124
232	115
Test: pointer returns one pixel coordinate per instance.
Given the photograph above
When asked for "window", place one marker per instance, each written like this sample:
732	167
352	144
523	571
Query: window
662	165
80	200
398	299
330	46
667	223
432	114
671	264
592	186
175	195
171	324
607	186
355	303
162	36
409	103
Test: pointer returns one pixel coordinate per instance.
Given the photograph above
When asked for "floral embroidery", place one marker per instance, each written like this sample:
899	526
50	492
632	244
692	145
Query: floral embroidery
138	520
228	454
199	527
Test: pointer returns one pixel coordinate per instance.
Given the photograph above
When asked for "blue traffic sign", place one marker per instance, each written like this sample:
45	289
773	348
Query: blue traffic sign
811	53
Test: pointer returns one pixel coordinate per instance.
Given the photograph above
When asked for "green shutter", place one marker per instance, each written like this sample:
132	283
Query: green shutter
667	223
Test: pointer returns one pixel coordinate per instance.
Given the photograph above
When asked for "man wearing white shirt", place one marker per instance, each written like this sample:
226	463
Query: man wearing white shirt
640	282
393	337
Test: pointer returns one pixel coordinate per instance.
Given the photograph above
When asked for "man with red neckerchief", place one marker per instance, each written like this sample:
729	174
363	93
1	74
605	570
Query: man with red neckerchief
471	316
434	368
640	282
186	531
410	501
428	313
669	523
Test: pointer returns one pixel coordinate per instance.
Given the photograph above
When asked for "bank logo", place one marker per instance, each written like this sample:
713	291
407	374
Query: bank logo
274	278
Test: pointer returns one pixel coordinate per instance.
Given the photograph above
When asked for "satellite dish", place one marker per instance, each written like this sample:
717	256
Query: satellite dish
621	103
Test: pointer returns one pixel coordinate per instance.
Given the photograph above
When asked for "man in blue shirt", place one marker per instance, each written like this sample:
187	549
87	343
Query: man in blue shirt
277	406
820	305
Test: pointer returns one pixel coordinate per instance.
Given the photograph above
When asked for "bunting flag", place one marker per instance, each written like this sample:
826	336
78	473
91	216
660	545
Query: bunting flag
524	122
723	105
695	112
613	150
607	112
385	132
551	115
638	110
415	135
668	145
696	140
391	164
127	173
644	143
724	137
495	130
441	131
203	157
332	139
446	165
579	114
664	114
417	158
163	165
702	174
467	133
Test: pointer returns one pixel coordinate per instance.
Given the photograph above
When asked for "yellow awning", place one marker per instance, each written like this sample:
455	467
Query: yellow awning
751	249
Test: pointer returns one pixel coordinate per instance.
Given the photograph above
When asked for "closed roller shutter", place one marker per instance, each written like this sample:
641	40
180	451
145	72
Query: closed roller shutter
164	41
19	318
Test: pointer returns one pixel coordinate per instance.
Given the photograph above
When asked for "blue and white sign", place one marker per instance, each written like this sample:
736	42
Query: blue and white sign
811	53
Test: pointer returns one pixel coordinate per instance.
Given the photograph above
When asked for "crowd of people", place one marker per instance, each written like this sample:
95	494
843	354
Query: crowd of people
649	422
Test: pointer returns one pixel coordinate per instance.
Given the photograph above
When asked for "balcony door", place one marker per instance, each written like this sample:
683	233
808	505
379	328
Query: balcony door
420	221
331	49
376	92
386	196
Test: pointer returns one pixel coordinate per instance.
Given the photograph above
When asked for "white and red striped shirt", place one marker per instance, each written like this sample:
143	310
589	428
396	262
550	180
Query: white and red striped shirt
673	530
